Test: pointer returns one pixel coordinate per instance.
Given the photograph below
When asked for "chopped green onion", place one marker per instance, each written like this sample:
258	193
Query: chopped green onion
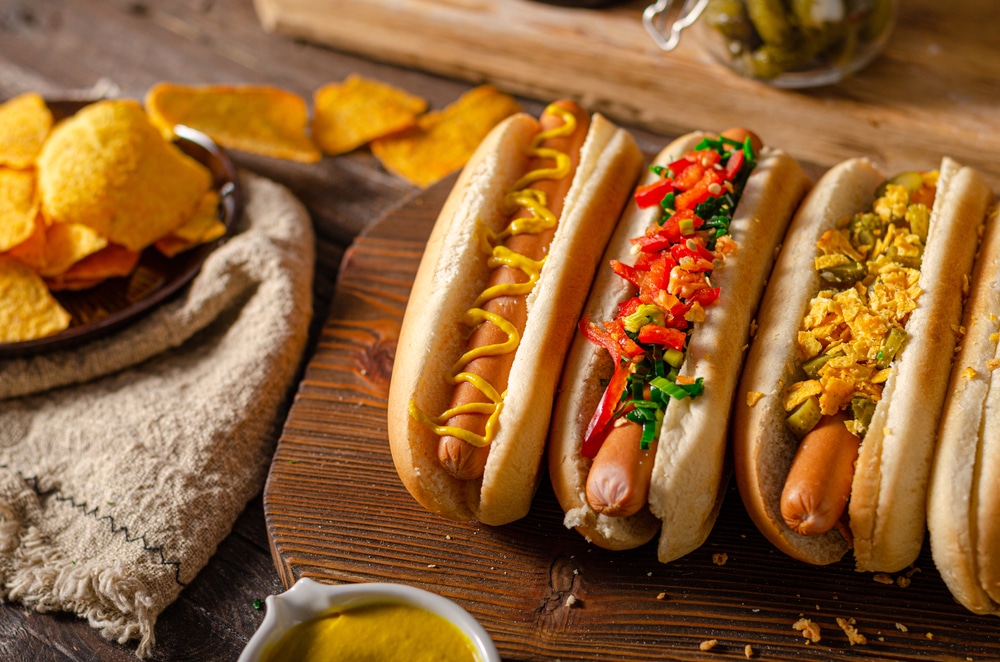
696	389
644	314
648	433
667	203
674	357
668	387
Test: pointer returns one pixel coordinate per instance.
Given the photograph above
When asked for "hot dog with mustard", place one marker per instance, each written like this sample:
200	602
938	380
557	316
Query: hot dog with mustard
503	277
638	435
837	410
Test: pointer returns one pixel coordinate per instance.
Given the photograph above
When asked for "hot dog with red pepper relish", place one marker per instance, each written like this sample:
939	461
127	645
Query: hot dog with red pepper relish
639	430
492	309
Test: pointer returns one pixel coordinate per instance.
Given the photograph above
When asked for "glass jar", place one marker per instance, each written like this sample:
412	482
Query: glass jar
787	43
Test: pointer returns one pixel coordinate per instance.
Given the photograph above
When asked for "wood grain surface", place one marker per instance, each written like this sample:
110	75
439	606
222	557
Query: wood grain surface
122	47
337	512
934	90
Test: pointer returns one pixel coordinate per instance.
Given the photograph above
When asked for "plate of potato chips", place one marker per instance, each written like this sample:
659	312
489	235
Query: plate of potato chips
103	214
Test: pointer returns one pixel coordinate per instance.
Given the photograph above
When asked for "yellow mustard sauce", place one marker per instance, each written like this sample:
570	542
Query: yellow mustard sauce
540	219
382	632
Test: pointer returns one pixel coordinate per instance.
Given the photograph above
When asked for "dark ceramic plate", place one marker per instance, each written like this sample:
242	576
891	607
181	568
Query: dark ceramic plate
118	301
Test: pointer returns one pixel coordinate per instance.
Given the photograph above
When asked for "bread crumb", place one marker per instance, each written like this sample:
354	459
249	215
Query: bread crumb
571	600
708	644
929	635
969	373
993	364
753	397
431	565
720	558
809	630
853	636
748	651
902	628
447	537
883	578
912	571
661	596
753	328
902	581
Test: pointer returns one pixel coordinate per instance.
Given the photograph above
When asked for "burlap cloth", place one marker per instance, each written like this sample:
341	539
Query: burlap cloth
123	464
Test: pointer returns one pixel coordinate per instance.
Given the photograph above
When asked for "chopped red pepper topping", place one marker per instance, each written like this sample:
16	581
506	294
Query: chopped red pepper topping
655	334
599	426
651	195
669	276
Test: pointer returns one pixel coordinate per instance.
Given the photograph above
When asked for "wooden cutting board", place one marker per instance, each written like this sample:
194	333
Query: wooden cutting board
336	512
934	91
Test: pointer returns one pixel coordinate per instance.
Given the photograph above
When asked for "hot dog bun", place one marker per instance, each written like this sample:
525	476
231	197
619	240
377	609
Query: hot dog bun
689	468
963	511
453	273
887	500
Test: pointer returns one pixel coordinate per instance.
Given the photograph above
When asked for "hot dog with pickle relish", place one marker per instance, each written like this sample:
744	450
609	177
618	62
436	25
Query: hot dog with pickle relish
838	406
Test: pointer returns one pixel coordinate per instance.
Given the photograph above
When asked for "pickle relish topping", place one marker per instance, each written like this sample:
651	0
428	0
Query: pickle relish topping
671	279
855	327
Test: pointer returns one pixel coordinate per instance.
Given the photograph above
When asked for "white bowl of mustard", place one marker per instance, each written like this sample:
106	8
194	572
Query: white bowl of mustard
314	622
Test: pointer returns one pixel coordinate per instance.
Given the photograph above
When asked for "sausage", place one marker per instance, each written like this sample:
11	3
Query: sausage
461	459
818	485
618	482
740	134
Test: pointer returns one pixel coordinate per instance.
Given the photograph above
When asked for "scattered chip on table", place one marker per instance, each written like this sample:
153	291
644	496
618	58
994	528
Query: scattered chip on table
108	167
444	140
258	119
27	309
351	114
25	122
18	207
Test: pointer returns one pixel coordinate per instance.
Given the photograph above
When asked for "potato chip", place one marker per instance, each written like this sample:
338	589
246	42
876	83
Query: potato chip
25	122
31	251
359	110
258	119
66	244
18	207
27	309
444	140
201	228
111	261
109	168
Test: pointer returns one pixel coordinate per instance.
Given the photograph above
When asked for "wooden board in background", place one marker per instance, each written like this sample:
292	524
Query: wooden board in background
934	91
336	512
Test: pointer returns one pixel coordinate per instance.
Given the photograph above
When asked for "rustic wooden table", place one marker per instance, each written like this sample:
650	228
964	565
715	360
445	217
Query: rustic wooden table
125	46
56	46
